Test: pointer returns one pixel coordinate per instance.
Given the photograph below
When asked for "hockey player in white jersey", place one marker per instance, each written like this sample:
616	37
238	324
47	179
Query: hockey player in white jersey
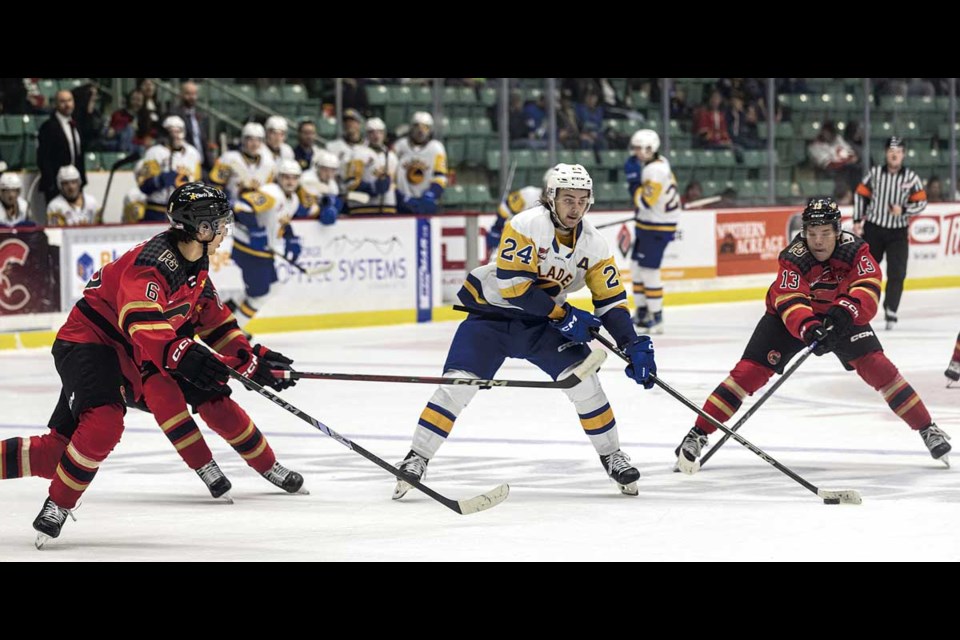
262	219
13	208
373	171
236	172
73	206
422	174
521	312
319	190
167	166
653	188
515	202
275	143
344	148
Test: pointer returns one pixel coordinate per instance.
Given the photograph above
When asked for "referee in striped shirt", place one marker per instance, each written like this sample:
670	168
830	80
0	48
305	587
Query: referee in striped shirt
887	197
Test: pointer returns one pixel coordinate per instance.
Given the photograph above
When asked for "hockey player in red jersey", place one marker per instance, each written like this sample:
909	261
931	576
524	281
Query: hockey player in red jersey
129	316
953	369
826	291
167	398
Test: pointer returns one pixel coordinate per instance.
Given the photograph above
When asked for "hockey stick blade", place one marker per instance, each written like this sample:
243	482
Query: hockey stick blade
840	497
326	267
482	502
584	369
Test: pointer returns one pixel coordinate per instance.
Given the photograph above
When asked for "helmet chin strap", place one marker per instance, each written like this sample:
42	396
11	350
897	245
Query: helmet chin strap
556	221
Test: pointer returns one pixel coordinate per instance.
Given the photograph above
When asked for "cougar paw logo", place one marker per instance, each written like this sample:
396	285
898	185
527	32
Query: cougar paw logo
12	296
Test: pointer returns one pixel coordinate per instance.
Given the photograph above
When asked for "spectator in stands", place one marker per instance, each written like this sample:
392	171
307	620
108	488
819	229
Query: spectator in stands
196	122
568	131
710	124
833	157
792	85
843	194
728	198
744	128
355	95
13	96
121	133
149	116
934	190
535	118
58	144
590	122
307	146
517	120
88	115
693	192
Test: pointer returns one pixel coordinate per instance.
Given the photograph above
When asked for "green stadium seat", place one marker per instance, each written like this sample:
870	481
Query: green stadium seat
476	150
91	161
454	196
456	151
422	96
293	93
327	128
377	95
493	159
478	195
488	96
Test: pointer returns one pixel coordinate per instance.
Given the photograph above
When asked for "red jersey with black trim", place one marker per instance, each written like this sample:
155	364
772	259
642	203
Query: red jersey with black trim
138	304
804	287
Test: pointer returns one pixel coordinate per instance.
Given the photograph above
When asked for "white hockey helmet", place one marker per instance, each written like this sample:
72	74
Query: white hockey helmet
376	124
174	122
647	141
567	176
548	173
10	180
276	123
326	159
67	172
253	130
288	167
422	117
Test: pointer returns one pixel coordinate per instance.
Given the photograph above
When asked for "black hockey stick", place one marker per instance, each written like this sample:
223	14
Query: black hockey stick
133	157
313	271
612	224
759	403
848	496
472	505
584	369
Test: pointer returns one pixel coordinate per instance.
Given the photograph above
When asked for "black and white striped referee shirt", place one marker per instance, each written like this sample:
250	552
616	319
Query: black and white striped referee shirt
879	189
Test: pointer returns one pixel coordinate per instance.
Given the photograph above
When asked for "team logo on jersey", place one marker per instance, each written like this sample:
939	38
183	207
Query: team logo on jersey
12	296
169	259
773	357
416	172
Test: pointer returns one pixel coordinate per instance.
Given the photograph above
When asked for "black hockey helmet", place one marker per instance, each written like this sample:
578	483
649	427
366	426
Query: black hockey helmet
197	207
820	211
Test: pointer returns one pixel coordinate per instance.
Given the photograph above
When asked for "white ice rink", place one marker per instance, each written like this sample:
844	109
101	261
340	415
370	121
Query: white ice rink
825	424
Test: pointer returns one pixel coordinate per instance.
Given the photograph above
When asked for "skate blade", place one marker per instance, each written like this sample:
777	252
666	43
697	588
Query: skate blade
945	459
628	489
41	540
686	466
226	497
302	491
401	489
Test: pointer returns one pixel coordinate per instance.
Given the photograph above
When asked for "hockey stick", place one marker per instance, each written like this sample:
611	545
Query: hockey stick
848	496
509	182
471	505
758	403
584	369
702	202
133	157
313	271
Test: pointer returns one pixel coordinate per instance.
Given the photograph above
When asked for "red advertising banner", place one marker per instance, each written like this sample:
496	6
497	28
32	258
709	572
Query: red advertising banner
749	242
29	273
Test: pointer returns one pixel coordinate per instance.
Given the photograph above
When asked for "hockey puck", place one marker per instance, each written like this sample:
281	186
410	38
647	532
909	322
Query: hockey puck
831	501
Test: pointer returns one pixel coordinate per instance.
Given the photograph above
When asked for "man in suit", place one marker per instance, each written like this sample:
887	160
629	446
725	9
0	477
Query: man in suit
58	144
196	123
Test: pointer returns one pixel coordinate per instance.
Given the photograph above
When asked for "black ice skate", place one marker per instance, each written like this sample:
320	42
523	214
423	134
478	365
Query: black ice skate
952	372
413	465
688	453
289	481
216	482
50	521
640	316
618	467
936	441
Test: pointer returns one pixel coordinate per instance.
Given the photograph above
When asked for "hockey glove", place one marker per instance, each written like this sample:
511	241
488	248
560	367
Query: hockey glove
576	323
814	331
196	363
642	365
